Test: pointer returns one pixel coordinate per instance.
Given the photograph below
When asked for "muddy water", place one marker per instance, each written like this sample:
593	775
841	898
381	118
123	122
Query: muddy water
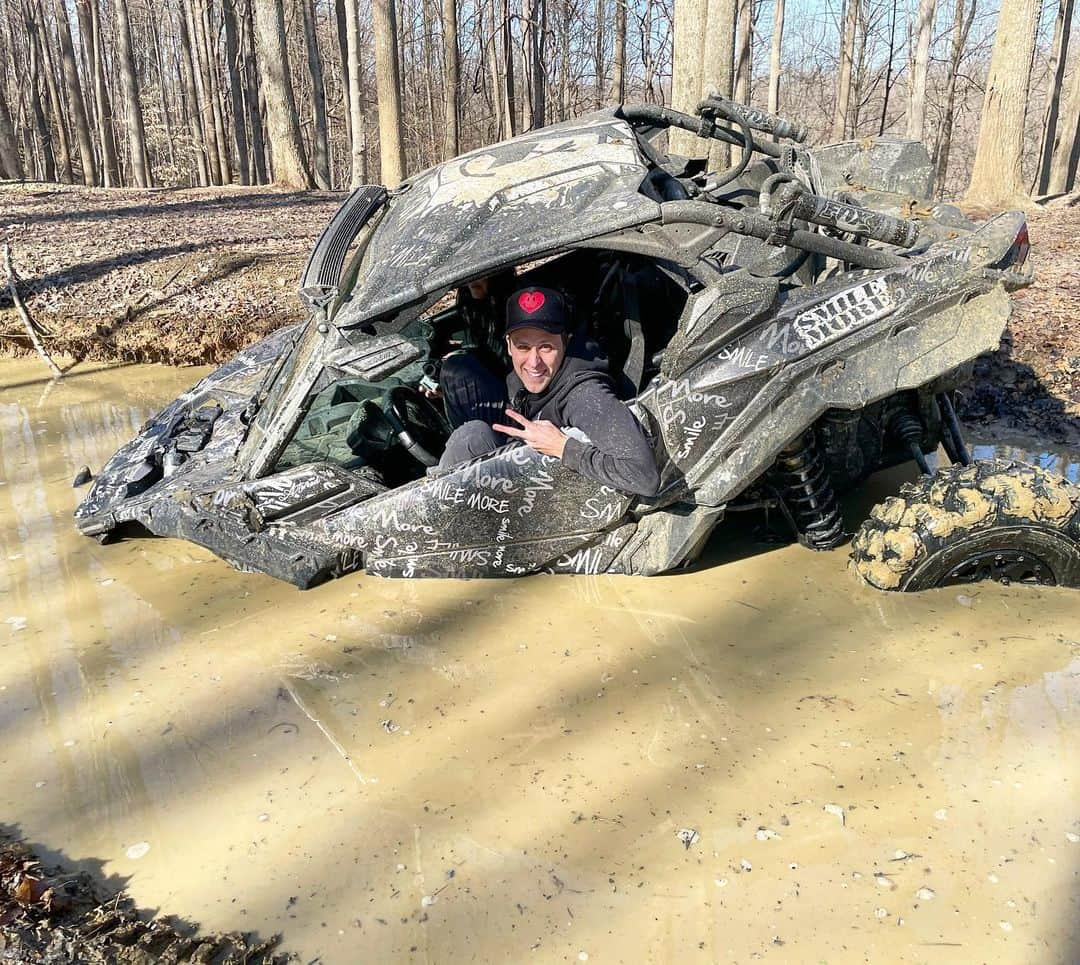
501	771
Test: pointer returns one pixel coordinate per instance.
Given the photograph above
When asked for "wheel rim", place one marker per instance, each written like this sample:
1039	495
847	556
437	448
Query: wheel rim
1026	553
1001	566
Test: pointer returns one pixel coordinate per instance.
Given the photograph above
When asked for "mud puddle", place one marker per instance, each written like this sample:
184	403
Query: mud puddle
758	759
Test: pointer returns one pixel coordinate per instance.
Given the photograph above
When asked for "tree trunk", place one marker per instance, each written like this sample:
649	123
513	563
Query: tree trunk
774	57
388	92
356	96
889	77
136	131
527	64
282	122
618	55
76	104
55	103
961	27
342	34
106	136
509	101
688	50
318	97
564	61
214	89
539	75
997	177
648	61
1059	55
10	162
843	89
451	78
743	52
1063	160
34	84
203	93
493	71
189	78
924	27
236	90
253	96
717	65
598	54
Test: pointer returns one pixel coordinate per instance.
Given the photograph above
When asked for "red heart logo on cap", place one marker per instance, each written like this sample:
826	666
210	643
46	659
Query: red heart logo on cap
531	301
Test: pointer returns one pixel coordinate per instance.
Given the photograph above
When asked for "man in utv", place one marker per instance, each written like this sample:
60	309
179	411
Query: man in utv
558	384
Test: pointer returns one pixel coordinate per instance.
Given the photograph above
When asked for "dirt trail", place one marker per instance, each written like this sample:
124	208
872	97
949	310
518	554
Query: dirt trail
170	275
758	759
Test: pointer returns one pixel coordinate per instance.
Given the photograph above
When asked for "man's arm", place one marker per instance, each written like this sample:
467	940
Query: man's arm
618	453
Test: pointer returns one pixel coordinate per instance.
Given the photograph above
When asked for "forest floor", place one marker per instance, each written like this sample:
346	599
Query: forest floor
177	276
191	276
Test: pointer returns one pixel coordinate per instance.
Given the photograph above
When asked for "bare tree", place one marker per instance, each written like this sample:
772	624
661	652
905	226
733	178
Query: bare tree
90	21
618	57
924	26
774	57
847	55
961	28
388	88
236	89
253	96
1059	54
286	147
744	51
704	47
76	104
451	77
997	175
10	162
136	131
318	98
1063	161
356	96
55	101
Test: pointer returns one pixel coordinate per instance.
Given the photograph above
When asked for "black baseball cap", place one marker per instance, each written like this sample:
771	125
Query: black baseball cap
542	308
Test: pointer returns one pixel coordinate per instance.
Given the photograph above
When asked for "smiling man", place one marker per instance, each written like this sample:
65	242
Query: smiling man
558	386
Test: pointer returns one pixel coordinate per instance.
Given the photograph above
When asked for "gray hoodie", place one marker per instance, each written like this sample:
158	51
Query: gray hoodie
582	395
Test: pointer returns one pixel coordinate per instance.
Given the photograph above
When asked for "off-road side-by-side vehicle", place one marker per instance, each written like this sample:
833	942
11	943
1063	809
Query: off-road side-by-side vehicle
782	329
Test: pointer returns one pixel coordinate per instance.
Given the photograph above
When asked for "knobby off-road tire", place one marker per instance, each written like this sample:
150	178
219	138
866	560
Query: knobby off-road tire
996	519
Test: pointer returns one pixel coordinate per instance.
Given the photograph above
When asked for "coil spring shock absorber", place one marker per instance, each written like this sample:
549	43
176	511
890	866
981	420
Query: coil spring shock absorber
807	496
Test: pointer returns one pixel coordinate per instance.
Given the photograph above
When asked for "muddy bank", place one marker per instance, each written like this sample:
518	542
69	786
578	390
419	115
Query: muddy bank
1031	384
758	759
169	275
49	915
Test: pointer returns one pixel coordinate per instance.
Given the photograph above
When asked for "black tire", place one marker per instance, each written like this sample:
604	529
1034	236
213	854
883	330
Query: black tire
996	519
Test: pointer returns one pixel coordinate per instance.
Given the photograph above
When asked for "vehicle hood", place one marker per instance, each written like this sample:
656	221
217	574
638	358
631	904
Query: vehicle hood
504	203
207	423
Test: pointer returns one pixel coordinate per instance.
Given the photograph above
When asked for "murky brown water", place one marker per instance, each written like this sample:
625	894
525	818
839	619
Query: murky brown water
499	771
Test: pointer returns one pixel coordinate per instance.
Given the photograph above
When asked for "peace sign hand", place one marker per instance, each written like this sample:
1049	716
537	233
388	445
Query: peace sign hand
541	435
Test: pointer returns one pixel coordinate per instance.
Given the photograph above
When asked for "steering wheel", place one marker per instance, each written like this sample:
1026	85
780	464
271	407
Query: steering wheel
401	416
419	424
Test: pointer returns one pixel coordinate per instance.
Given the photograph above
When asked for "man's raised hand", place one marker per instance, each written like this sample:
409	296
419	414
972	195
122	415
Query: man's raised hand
541	435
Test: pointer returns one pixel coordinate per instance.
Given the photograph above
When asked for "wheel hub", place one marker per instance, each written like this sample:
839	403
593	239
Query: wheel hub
1002	566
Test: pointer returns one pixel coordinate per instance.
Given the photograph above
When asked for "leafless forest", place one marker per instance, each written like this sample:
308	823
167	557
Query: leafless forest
328	93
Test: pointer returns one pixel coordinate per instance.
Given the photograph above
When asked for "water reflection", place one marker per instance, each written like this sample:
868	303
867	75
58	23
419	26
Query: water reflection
1064	462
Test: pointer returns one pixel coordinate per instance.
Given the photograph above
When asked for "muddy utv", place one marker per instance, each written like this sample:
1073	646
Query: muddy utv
782	329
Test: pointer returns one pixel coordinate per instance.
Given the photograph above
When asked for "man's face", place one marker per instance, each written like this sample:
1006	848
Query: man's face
536	356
